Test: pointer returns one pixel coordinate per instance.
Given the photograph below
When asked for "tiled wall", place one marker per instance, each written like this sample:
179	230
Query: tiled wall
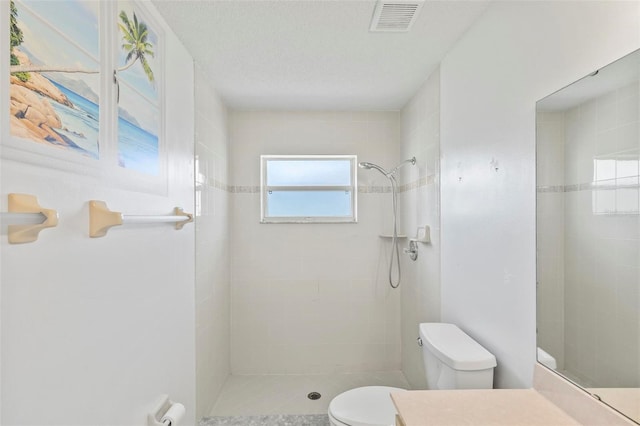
212	243
312	298
421	206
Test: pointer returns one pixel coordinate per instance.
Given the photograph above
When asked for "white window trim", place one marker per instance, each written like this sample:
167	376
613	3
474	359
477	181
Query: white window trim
264	190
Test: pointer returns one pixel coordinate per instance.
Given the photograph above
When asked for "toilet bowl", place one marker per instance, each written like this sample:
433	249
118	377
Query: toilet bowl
365	406
452	360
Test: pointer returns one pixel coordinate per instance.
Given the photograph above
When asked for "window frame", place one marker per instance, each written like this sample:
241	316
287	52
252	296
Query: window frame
264	189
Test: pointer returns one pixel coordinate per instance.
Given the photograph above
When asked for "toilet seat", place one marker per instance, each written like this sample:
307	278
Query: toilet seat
365	406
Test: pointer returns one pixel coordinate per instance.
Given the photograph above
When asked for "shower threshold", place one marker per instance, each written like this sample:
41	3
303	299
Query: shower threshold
265	395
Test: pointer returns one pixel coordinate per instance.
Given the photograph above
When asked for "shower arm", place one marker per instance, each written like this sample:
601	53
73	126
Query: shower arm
411	160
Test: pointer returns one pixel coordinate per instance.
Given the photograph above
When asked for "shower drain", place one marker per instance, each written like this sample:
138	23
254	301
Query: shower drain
314	395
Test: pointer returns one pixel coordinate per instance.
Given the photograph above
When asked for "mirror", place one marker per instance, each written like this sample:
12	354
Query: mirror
588	233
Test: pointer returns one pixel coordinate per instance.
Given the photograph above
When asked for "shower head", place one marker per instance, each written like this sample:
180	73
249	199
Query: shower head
391	174
365	165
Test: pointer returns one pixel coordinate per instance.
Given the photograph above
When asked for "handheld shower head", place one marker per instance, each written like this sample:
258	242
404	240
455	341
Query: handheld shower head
395	253
365	165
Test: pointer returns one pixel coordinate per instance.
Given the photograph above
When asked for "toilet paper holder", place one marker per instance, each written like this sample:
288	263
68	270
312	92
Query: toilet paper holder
168	413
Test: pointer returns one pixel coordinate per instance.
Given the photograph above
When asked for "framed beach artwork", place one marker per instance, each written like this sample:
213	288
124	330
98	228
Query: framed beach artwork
84	90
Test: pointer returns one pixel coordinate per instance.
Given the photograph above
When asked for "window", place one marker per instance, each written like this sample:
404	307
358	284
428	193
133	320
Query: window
308	188
615	185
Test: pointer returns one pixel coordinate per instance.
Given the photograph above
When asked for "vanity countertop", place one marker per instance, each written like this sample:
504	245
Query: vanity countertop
626	400
494	407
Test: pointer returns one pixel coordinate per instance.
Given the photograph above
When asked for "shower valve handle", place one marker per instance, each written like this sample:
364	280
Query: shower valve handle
412	251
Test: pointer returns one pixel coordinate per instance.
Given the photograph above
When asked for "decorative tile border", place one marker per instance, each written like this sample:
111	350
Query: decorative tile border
373	189
550	188
423	181
219	185
239	189
362	189
587	186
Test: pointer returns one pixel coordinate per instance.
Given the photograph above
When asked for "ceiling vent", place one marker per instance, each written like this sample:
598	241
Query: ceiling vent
395	15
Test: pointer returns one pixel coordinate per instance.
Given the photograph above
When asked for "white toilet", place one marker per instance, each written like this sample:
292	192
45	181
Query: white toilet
452	360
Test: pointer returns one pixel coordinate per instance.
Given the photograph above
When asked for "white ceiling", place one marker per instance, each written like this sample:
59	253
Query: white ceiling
314	54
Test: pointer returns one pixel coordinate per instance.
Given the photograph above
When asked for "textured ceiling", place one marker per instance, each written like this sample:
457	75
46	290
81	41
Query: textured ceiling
314	55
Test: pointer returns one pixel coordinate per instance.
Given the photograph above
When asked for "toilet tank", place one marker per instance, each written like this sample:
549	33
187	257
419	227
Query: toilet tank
453	360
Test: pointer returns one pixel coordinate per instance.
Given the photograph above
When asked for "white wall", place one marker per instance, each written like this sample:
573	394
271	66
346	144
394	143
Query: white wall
94	330
421	206
312	298
514	55
212	245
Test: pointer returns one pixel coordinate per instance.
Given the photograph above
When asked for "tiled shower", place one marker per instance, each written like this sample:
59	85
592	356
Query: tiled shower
312	299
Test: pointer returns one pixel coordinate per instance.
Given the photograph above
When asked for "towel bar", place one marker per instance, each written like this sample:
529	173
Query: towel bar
101	219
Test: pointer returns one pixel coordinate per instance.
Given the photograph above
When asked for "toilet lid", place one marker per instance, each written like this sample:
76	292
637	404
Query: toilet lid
366	406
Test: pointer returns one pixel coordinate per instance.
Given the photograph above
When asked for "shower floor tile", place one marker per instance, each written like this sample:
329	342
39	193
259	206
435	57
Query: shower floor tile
287	394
